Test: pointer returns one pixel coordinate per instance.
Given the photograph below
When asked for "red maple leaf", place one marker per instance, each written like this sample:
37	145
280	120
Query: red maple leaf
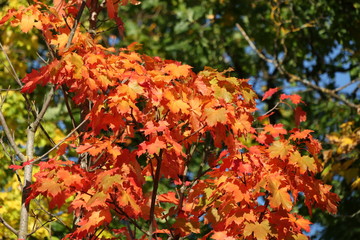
269	93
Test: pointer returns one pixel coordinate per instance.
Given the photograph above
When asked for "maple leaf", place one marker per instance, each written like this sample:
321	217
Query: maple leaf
60	40
92	221
151	147
269	93
296	99
27	22
214	116
260	230
8	15
169	197
179	105
300	222
222	93
279	149
296	134
52	189
279	196
151	128
202	87
221	236
16	167
275	130
304	162
177	71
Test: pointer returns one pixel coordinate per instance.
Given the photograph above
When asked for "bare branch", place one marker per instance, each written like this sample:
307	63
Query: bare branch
276	105
154	192
252	45
10	137
45	106
13	72
42	225
51	215
76	23
331	93
68	106
59	143
12	160
292	77
346	85
8	226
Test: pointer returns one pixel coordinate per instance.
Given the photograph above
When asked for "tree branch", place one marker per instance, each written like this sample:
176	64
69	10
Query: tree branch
13	72
10	137
45	106
76	23
154	192
59	143
346	85
8	226
331	93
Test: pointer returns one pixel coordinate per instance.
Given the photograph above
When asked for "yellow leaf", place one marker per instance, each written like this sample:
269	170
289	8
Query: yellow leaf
179	105
279	149
260	230
356	183
27	23
214	116
222	93
303	162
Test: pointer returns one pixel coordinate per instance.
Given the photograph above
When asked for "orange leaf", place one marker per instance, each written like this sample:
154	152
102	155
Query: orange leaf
296	134
269	93
151	147
27	22
275	130
177	70
169	197
296	99
93	220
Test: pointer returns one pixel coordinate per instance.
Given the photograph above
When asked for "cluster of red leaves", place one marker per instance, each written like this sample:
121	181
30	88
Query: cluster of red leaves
249	189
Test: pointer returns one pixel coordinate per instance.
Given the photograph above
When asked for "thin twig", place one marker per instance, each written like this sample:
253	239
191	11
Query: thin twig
17	79
37	228
12	160
10	137
66	100
282	70
76	23
8	226
192	134
276	105
252	45
10	89
119	211
44	108
29	104
346	85
52	215
59	143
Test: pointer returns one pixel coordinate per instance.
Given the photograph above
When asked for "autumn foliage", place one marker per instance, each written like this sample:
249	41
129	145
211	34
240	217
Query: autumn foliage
153	122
